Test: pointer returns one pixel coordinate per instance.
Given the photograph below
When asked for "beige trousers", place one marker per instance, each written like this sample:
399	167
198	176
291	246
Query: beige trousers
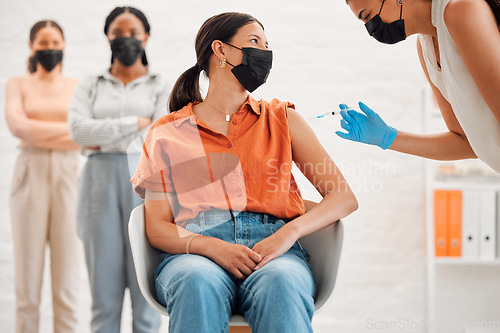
42	203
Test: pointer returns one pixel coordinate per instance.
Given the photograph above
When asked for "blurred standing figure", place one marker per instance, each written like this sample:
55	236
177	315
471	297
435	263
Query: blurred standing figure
45	182
107	113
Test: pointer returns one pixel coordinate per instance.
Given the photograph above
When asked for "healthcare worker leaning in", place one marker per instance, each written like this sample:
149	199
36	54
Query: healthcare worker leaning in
459	50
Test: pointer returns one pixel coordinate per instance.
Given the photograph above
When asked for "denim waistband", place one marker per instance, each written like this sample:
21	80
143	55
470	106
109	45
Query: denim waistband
217	216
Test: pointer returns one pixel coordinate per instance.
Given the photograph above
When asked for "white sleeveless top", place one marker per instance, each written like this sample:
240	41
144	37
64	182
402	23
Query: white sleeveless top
456	84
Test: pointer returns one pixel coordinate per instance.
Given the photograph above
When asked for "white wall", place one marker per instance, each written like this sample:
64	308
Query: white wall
323	57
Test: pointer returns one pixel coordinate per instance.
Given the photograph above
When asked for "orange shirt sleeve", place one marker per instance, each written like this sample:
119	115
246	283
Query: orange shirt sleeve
153	171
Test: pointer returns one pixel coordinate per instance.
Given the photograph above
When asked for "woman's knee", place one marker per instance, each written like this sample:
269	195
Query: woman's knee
286	273
192	276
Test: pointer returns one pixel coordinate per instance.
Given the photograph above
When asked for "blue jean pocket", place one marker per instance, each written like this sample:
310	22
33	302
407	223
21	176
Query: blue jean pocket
303	250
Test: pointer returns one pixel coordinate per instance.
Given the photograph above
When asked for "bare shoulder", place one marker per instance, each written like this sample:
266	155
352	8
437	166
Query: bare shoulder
293	115
458	11
72	82
16	85
294	118
299	128
18	81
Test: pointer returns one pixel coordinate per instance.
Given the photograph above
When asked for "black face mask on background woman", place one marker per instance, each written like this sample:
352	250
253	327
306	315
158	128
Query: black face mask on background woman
126	50
49	59
388	33
254	68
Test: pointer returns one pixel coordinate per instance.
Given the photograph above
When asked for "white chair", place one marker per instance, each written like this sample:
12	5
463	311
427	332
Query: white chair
324	246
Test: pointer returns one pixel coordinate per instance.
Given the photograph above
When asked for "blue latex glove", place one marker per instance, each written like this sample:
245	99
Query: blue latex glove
366	128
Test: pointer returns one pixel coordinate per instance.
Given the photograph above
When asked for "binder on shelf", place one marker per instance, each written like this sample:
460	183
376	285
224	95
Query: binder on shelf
454	223
487	225
470	224
441	222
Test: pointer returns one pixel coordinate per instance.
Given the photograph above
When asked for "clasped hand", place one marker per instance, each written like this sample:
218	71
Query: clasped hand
242	261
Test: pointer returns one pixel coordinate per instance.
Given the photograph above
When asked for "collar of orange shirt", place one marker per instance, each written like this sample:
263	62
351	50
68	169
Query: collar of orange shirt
186	113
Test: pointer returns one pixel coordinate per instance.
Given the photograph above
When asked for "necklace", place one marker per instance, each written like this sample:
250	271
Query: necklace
228	116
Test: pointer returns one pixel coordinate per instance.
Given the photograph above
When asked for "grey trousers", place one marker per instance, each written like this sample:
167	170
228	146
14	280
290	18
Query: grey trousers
105	201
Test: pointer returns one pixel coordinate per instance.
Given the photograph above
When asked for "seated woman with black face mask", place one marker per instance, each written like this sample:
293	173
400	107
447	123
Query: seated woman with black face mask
459	50
221	202
107	113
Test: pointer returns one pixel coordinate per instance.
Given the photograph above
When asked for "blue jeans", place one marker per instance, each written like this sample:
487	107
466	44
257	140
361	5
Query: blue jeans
200	296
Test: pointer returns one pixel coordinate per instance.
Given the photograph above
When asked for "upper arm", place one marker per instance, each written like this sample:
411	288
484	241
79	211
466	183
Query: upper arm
13	104
475	32
312	159
444	106
157	212
158	206
81	102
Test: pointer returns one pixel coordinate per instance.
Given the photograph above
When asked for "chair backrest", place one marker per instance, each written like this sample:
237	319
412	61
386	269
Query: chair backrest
146	258
325	247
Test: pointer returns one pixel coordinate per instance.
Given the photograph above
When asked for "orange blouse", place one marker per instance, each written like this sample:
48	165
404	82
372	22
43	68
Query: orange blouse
200	169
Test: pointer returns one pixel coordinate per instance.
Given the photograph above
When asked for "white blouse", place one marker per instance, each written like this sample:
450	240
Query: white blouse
458	87
104	111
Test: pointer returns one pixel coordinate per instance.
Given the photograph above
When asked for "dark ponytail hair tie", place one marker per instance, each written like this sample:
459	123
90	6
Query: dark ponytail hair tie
198	67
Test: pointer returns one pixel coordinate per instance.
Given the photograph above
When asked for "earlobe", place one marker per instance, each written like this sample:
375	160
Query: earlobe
218	49
145	40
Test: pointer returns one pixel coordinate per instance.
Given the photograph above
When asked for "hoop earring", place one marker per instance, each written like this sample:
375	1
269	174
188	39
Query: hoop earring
223	63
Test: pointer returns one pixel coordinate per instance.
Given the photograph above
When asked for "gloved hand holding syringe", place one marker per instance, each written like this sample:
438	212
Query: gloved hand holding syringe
367	127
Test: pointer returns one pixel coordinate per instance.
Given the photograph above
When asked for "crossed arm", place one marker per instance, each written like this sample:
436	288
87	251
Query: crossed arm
35	133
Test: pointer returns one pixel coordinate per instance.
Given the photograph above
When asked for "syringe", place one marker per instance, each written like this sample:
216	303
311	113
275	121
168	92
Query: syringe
331	113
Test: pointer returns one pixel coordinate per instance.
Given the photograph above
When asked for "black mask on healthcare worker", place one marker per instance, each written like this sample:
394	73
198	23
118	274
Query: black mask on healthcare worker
388	33
49	59
126	50
254	68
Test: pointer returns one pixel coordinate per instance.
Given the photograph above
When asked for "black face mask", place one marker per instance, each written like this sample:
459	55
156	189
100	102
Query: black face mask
49	59
126	50
388	33
254	68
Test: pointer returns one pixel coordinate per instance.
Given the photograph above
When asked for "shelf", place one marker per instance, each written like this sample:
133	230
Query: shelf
462	261
465	185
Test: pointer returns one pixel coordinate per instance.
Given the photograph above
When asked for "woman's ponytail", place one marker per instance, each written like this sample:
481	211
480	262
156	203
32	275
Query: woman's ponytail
32	64
186	89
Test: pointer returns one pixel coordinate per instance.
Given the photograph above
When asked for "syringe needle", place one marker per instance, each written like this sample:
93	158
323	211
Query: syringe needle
332	113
